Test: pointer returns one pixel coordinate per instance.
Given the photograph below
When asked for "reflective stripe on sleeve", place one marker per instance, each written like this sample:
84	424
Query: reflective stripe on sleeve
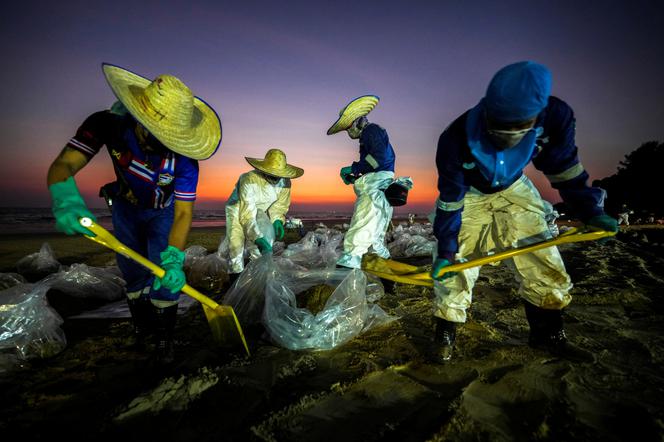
567	175
372	161
449	207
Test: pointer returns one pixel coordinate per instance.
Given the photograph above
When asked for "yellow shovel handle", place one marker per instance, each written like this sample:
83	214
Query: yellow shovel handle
105	238
567	237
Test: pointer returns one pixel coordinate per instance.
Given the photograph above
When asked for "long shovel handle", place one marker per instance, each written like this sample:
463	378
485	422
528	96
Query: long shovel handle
105	238
567	237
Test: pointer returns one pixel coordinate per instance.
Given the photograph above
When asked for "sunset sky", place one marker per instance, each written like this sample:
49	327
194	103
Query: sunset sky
279	71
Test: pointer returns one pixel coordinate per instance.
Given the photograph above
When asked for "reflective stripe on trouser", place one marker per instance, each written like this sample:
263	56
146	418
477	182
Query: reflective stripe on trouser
371	216
511	218
237	241
145	231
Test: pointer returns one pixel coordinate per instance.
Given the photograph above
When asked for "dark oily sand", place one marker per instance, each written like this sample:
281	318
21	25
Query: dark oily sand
314	299
377	386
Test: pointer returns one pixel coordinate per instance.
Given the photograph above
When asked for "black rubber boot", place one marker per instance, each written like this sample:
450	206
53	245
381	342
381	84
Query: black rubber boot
165	325
547	333
142	316
443	341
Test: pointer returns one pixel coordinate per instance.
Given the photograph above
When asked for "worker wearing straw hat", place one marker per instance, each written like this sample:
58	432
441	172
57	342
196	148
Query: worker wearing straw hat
487	203
370	176
256	210
154	133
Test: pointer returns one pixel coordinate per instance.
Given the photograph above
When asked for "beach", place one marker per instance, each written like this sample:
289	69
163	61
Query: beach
377	386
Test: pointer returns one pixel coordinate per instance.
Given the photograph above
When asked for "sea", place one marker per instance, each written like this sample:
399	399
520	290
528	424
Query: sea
14	220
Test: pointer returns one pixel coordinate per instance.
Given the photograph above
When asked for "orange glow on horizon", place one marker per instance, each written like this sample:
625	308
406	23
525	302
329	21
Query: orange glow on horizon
318	185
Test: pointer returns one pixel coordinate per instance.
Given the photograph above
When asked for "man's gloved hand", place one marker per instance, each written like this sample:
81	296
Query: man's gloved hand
345	173
172	260
68	207
603	222
438	264
263	245
278	229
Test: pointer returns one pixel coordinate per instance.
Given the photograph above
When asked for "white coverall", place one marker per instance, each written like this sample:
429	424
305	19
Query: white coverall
371	216
623	218
253	194
513	217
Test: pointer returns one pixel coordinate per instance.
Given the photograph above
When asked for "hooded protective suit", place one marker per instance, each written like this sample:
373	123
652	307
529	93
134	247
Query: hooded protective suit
252	195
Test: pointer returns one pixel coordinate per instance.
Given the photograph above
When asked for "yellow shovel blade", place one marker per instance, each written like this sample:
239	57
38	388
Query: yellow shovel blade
224	324
400	272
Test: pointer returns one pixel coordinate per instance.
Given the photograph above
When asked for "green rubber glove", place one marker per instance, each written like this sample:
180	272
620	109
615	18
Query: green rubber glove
344	173
278	229
172	260
68	207
603	222
438	264
263	246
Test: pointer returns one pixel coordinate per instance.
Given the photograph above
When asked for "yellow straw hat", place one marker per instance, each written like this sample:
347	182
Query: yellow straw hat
275	164
357	108
168	109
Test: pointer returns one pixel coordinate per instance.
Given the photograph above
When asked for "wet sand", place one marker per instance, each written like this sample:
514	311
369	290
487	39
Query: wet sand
378	386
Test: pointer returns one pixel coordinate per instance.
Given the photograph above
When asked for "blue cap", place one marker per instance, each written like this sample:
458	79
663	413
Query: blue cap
518	92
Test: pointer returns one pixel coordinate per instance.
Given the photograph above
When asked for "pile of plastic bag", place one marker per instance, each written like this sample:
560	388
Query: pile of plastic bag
30	319
410	241
318	249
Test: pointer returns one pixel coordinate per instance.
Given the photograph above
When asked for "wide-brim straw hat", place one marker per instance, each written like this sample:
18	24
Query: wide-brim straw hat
357	108
168	109
275	164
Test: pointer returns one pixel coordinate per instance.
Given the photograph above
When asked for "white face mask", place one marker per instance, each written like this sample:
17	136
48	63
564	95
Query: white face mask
504	139
355	129
354	132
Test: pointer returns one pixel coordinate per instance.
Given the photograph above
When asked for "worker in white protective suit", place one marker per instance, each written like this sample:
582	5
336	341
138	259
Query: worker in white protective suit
370	176
486	203
623	216
261	193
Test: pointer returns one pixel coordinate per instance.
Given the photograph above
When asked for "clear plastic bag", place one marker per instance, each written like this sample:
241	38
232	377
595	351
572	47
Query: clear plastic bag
247	295
80	288
345	315
82	281
375	289
29	327
191	254
410	241
318	249
8	280
39	265
207	273
266	291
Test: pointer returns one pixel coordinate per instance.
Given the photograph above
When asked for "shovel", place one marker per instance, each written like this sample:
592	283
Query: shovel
400	272
224	325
